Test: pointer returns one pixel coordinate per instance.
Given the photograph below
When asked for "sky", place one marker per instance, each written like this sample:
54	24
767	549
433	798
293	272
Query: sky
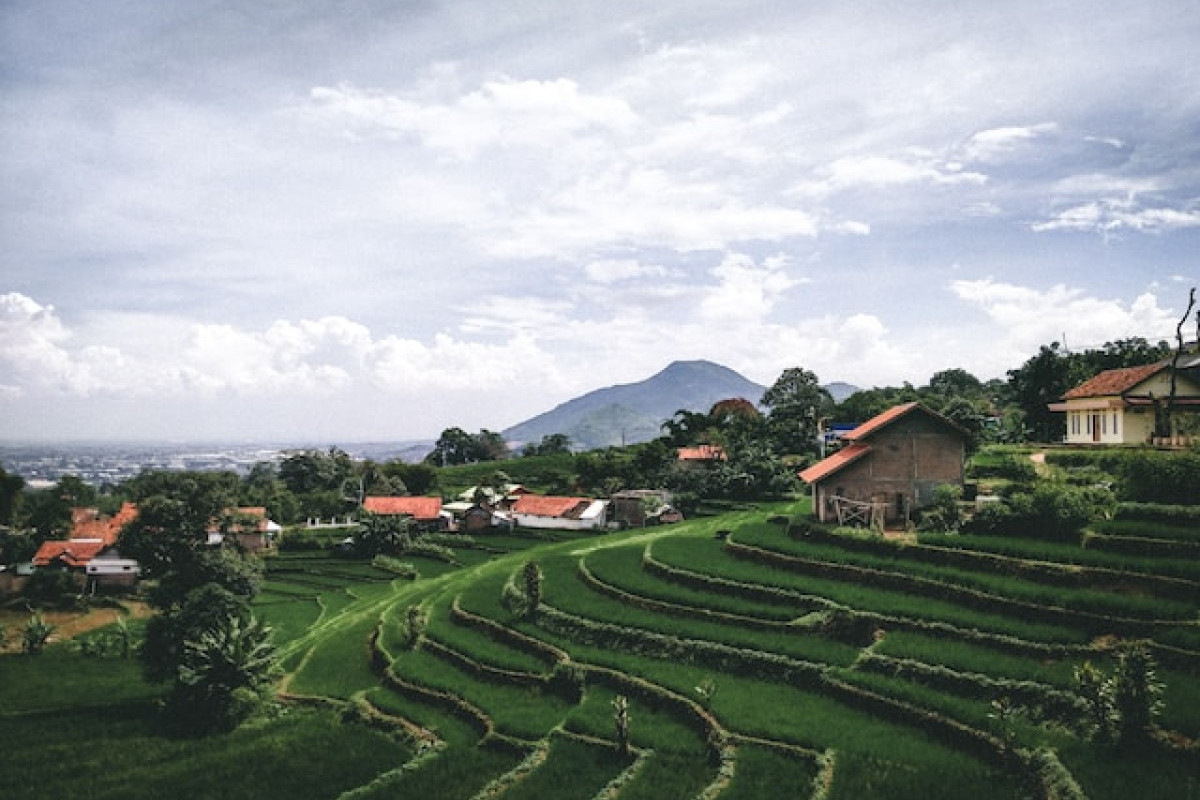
364	220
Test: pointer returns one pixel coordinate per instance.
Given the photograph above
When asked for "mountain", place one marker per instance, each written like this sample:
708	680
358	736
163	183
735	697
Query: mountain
840	391
634	412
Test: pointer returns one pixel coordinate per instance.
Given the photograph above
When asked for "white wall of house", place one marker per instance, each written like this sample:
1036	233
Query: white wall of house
596	516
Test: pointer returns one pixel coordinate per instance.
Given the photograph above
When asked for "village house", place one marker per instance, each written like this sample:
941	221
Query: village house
701	454
1129	406
562	513
90	552
636	508
251	528
889	467
426	513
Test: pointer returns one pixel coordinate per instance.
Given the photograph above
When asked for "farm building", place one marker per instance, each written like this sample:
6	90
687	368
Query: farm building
634	508
562	513
252	529
888	468
425	512
1126	406
91	551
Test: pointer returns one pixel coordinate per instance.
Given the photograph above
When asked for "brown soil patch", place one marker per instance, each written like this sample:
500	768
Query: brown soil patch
68	624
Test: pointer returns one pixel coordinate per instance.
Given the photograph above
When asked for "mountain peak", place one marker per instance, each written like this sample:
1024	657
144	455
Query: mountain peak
634	412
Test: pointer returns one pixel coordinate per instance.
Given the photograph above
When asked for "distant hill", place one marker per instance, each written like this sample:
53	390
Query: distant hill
840	391
634	412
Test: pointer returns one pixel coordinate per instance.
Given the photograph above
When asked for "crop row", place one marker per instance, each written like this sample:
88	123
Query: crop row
942	590
996	564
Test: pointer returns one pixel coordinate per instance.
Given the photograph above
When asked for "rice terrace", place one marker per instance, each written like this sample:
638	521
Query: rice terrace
747	652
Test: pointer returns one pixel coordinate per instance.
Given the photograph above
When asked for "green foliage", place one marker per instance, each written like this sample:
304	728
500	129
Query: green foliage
944	514
1124	705
223	677
116	643
995	463
412	627
52	588
551	444
35	635
1168	478
1051	511
621	723
532	574
797	404
456	446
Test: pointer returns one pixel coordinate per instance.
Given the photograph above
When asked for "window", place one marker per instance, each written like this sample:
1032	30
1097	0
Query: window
1115	431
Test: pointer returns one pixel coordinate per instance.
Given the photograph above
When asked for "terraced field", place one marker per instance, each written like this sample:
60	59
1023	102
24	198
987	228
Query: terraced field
759	660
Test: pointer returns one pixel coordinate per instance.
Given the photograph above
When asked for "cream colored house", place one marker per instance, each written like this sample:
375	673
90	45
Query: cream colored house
1119	406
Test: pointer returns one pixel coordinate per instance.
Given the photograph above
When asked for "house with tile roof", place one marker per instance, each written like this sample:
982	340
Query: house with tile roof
91	549
1129	406
251	527
701	454
889	467
425	512
560	513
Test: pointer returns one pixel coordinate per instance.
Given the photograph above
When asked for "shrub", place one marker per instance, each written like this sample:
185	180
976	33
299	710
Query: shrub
1152	477
1051	511
35	635
944	515
52	588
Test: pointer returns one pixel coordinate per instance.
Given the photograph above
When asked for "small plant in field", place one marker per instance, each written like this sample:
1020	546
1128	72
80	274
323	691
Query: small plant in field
413	627
3	635
568	681
1097	691
706	690
1137	692
36	634
1123	706
533	586
621	720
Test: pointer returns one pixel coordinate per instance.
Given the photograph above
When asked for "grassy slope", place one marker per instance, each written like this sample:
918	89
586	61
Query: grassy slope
324	615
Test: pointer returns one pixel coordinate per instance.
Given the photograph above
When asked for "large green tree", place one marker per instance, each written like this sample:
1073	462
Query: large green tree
798	404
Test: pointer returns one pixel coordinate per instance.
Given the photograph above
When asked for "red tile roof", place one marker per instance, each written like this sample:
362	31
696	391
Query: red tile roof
549	506
72	552
835	462
702	452
1114	381
87	523
421	508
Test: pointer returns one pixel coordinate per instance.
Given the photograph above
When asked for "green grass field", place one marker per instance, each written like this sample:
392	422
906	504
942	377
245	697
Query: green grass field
701	652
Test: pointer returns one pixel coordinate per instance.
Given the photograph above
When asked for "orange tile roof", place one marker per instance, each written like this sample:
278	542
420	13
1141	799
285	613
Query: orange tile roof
1114	381
549	506
702	452
72	552
422	508
87	523
835	462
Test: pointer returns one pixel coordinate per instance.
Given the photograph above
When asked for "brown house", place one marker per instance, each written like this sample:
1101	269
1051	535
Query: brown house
888	468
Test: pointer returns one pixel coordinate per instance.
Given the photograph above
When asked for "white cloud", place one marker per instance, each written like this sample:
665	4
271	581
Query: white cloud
502	113
617	270
997	143
1111	216
745	292
1027	318
887	171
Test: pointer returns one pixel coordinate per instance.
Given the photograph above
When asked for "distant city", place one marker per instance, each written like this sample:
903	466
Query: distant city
98	464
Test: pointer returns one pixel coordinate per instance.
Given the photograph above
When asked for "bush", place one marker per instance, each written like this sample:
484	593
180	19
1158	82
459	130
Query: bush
36	634
1050	511
944	515
1153	477
52	588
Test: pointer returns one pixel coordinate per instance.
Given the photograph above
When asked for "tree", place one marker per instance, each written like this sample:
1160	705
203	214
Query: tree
455	446
10	495
386	534
1041	380
955	383
533	585
621	721
798	404
312	471
551	444
223	676
1137	692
